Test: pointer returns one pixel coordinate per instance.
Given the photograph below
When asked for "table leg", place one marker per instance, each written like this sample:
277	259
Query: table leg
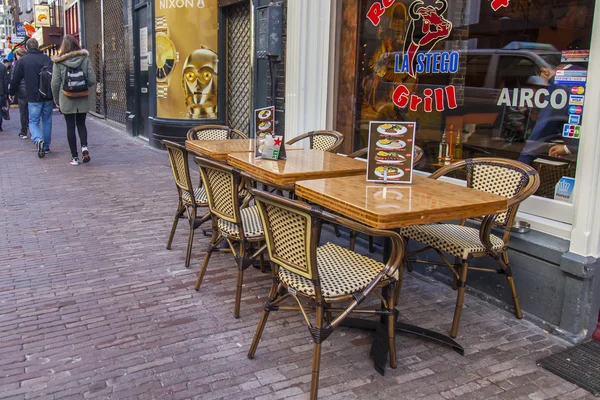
380	346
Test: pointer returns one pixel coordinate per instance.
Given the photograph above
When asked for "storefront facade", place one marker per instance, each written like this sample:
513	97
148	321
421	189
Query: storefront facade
504	79
191	64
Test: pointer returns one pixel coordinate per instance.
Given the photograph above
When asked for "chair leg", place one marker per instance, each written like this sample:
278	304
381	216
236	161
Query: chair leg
409	266
398	287
263	269
316	366
337	230
179	214
462	282
188	255
352	240
391	296
213	243
238	289
454	277
511	283
263	320
371	247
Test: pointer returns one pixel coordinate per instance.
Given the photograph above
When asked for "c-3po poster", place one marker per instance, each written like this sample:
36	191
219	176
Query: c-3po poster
186	62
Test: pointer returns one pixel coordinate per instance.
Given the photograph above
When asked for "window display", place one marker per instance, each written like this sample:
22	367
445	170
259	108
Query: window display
500	78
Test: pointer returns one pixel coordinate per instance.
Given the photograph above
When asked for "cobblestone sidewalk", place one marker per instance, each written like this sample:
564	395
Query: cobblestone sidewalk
93	306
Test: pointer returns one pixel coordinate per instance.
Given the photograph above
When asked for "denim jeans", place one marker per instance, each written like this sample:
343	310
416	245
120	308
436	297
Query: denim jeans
41	110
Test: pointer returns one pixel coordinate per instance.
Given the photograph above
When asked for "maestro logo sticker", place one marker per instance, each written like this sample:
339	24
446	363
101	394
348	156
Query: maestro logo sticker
575	110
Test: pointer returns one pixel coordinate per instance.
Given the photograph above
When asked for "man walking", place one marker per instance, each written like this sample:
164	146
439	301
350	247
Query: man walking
39	98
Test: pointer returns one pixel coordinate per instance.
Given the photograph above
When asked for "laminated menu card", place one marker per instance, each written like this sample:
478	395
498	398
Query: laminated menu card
391	151
268	145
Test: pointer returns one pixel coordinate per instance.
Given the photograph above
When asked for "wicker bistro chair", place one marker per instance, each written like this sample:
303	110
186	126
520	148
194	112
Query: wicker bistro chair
190	199
215	132
362	153
322	140
232	222
322	278
507	178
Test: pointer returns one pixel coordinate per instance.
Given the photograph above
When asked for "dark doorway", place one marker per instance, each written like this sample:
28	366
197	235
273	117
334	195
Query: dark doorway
142	40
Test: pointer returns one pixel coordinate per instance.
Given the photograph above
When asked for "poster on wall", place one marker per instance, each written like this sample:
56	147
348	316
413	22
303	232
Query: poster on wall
391	151
42	15
186	61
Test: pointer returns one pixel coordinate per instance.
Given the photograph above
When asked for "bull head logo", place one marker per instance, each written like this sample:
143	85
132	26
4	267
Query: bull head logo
426	28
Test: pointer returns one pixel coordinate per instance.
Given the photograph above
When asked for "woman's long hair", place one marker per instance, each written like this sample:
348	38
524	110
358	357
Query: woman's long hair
69	44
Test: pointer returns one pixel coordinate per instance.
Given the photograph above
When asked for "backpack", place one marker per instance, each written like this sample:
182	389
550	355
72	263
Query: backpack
45	83
75	83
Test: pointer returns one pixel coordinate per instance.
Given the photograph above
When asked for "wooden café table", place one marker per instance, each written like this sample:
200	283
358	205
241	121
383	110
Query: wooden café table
299	165
219	149
390	206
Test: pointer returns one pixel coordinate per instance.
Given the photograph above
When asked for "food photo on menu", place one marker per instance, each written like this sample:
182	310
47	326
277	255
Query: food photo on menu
390	152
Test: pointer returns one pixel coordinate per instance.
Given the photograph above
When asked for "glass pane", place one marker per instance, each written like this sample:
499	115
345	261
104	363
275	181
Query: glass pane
512	80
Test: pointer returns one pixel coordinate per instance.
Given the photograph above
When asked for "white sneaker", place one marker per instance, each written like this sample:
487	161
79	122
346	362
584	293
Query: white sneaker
86	154
74	161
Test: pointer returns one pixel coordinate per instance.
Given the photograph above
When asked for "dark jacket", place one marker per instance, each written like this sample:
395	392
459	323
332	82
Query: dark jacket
74	59
3	80
21	92
28	69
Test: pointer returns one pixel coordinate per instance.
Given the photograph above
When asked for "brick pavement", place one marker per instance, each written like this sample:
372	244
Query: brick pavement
93	306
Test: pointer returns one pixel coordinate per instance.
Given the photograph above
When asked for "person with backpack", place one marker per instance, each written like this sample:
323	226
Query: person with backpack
73	76
22	99
36	69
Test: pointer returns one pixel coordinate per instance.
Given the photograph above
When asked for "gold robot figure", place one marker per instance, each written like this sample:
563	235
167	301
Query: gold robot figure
200	83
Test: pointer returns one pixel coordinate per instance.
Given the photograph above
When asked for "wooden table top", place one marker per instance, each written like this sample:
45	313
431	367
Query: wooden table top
388	206
299	165
218	149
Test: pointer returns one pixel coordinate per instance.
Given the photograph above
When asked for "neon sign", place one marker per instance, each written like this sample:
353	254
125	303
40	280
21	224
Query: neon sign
427	27
429	63
496	4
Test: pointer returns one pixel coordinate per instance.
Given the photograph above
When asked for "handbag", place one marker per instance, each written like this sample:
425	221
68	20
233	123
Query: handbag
5	108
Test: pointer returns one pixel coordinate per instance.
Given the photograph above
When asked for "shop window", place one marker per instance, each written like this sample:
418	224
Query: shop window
478	66
519	73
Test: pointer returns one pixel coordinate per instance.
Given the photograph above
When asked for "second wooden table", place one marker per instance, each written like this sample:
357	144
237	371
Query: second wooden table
299	165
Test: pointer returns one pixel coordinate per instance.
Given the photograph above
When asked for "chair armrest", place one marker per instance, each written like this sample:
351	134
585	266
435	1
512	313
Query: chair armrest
299	138
447	169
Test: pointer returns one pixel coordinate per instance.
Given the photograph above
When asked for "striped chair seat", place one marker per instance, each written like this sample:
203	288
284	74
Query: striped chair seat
341	271
250	221
457	240
199	194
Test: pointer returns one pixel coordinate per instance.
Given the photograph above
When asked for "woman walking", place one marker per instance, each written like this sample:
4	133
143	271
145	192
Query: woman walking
72	78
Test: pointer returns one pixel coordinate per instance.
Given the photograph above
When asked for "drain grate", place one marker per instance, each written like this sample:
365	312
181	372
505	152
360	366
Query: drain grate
579	365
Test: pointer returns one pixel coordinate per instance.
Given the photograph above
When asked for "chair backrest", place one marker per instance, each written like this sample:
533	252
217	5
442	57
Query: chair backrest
214	132
178	156
221	183
329	141
504	177
418	155
362	153
290	232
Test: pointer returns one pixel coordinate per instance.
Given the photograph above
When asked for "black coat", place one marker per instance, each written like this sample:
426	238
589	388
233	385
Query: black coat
22	91
28	68
3	80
